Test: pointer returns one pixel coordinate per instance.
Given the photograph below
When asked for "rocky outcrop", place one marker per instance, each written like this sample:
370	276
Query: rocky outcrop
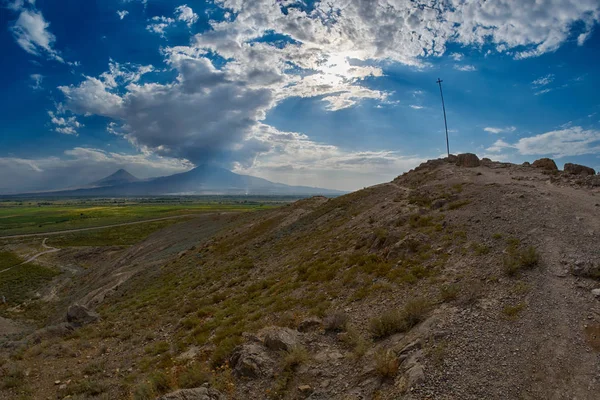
547	164
194	394
251	360
469	160
310	324
576	169
78	315
277	338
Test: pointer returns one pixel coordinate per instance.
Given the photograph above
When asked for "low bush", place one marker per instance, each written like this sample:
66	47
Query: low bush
396	321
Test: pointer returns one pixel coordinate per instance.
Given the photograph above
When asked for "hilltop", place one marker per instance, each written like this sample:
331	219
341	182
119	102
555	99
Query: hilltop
461	279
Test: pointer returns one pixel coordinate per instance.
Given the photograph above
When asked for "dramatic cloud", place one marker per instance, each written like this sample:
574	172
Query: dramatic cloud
23	174
295	159
500	130
263	52
30	30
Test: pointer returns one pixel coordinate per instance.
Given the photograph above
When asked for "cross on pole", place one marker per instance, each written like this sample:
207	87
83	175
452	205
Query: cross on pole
439	82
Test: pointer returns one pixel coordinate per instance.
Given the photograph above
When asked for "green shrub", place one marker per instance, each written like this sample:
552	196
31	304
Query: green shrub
159	382
295	357
193	376
516	260
449	293
336	322
395	321
513	311
386	363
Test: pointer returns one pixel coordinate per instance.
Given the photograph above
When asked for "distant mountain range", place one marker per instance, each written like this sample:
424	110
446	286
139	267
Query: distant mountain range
202	180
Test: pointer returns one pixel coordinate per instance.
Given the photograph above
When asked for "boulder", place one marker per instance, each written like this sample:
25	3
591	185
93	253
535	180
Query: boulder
201	393
486	162
251	360
78	315
277	338
451	159
576	169
547	164
309	324
415	376
596	292
526	164
469	160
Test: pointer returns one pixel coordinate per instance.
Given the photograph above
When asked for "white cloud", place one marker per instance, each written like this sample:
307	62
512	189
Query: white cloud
159	25
30	30
499	146
66	126
295	159
544	80
495	130
416	107
465	68
122	13
572	141
186	14
37	80
457	56
543	91
80	166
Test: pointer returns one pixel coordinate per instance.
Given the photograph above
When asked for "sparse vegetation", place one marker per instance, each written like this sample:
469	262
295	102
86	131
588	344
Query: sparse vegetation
336	322
449	293
386	363
518	260
193	376
396	321
455	205
513	311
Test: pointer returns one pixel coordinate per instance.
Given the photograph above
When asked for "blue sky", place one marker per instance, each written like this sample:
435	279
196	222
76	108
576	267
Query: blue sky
332	94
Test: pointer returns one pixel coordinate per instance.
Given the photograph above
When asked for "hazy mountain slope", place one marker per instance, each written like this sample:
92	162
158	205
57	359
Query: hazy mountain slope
118	178
201	180
447	283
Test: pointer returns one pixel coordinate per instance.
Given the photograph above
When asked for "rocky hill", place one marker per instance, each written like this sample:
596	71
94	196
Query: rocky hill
461	279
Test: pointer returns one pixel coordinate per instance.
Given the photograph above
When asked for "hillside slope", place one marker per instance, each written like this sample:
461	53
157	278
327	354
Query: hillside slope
447	283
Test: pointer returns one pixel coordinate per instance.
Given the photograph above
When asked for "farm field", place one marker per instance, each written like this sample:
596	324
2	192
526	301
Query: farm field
30	217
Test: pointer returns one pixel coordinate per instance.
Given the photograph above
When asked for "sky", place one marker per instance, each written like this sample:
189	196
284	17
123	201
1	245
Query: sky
338	94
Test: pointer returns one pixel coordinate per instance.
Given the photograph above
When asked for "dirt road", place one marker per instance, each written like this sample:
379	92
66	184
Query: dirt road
96	227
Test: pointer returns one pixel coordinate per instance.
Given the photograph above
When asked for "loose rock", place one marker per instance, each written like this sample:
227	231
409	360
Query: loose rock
194	394
576	169
79	315
469	160
547	164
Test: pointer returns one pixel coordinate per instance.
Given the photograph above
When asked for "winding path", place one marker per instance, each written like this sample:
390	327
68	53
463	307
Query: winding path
30	259
97	227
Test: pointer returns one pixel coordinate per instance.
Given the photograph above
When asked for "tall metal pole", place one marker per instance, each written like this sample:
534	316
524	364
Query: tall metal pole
439	81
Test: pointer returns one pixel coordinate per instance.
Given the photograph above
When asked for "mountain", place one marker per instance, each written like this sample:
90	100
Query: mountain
202	180
118	178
